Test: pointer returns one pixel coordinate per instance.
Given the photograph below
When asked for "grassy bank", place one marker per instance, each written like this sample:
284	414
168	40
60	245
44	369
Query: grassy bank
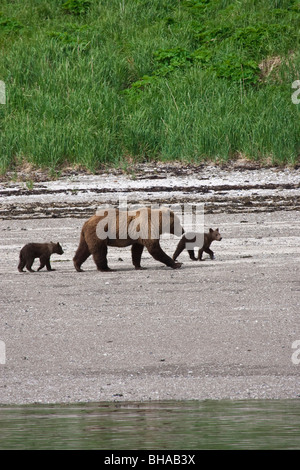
114	81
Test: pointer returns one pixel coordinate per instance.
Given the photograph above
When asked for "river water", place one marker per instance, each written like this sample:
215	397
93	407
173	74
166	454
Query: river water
173	425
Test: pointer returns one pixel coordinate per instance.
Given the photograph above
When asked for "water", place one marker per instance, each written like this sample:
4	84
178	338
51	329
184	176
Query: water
175	425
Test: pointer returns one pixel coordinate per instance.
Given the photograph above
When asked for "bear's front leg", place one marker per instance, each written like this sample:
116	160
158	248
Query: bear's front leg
48	266
210	253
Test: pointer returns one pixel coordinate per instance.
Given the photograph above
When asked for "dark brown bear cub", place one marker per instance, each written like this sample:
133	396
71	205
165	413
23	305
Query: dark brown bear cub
191	239
38	250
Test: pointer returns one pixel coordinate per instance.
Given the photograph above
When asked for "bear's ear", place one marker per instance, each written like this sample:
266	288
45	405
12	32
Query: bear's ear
217	229
210	230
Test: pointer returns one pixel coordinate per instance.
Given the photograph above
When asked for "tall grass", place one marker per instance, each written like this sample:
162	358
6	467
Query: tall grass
139	80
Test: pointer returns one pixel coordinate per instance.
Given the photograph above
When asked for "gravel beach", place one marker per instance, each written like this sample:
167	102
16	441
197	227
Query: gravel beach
209	330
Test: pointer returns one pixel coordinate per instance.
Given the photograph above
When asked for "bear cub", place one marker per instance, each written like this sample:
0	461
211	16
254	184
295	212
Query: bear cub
190	239
38	250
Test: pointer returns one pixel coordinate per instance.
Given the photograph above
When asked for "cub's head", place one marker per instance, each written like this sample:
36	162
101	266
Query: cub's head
215	234
56	247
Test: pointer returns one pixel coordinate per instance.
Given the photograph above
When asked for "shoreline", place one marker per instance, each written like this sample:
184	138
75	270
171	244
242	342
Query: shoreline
230	190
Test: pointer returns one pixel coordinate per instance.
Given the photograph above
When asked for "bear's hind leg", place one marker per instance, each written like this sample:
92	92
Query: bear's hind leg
81	255
100	258
157	252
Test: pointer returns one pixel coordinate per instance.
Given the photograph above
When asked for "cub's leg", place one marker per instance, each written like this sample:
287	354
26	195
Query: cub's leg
42	263
29	263
192	255
45	261
48	265
21	264
210	253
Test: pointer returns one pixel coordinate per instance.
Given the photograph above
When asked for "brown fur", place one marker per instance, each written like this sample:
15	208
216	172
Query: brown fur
38	250
141	228
207	238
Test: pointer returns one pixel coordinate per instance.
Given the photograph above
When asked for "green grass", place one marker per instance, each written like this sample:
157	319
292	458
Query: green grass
111	81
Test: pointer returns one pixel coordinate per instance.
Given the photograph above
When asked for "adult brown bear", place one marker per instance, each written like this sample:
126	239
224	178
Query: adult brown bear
139	228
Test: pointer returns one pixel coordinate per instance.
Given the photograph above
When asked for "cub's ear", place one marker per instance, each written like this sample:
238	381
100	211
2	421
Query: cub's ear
217	229
211	230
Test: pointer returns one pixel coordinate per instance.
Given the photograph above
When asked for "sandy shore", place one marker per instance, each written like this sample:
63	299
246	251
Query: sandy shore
215	329
210	330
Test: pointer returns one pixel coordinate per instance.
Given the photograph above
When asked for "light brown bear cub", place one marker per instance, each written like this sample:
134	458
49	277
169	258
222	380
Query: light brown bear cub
116	227
38	250
190	241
